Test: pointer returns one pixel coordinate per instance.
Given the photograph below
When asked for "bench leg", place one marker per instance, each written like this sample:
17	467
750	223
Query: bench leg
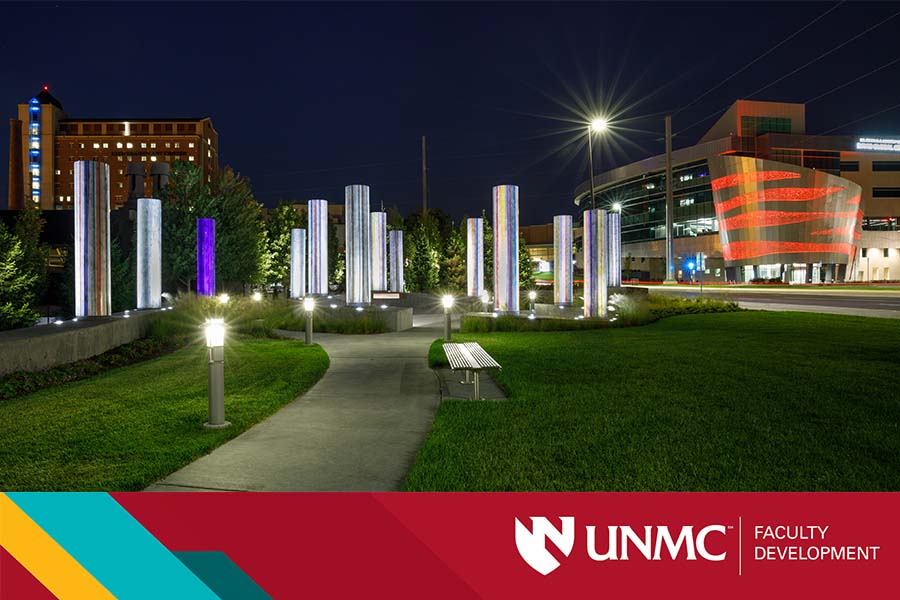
468	377
477	387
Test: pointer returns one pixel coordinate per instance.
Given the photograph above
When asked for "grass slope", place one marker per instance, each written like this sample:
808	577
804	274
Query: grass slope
129	427
743	401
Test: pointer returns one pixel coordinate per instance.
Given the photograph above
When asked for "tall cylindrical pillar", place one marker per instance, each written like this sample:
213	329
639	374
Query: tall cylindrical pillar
298	263
92	268
562	259
357	244
206	257
614	248
317	212
396	247
378	237
595	284
149	253
474	257
506	248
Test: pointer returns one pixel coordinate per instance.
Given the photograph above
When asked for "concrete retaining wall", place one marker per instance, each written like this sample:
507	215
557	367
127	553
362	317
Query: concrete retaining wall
45	346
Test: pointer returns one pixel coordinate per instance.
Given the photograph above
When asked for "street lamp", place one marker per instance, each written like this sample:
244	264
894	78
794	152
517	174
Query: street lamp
215	345
223	298
617	207
598	125
532	295
309	305
447	301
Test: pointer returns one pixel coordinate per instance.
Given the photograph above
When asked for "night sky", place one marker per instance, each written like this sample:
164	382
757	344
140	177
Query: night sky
308	98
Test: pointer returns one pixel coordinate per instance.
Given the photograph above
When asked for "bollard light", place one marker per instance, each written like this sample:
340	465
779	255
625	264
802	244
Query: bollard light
215	345
532	295
223	298
257	296
309	305
485	299
447	301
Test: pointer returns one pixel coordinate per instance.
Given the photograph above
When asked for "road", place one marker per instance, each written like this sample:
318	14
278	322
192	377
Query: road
868	303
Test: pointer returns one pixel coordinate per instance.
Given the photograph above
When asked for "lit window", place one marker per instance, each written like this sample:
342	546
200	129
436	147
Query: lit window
96	145
121	171
143	159
168	145
35	144
191	158
58	172
153	145
208	154
190	144
208	143
36	197
119	145
36	170
35	129
120	158
120	185
687	177
129	145
70	172
105	145
81	145
685	202
152	159
177	145
143	144
650	186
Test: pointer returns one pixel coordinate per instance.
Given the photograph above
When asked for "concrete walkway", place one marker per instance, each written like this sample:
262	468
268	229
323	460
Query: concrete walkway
357	429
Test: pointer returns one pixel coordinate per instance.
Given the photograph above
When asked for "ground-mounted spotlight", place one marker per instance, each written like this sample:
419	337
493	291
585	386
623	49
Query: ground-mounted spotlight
214	329
359	309
531	317
224	298
309	305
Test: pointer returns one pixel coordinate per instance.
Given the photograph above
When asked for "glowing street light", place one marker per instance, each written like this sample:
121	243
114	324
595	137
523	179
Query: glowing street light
257	296
598	125
223	298
532	296
447	301
309	305
617	207
215	345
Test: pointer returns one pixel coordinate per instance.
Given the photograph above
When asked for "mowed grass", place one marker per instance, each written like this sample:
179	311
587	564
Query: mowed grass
744	401
131	426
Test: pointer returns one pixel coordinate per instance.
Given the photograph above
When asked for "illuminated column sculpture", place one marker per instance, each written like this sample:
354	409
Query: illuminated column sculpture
595	285
149	253
506	248
317	211
614	249
396	247
378	237
475	257
562	259
298	263
357	230
206	257
92	273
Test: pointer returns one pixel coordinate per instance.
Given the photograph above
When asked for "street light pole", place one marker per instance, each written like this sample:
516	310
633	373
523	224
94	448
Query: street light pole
215	345
591	161
309	305
447	301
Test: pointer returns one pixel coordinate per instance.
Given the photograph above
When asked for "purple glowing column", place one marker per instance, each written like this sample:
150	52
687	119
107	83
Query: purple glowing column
206	257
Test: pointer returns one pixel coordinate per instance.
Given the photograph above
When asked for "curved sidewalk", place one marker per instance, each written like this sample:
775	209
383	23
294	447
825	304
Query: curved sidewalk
357	429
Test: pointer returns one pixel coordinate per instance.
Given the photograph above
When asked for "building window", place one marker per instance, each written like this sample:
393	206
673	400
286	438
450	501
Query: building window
886	165
120	185
121	171
850	165
177	145
886	254
58	172
143	159
120	158
118	144
865	252
153	144
105	145
754	126
168	145
143	144
886	192
129	145
81	146
685	202
191	158
152	159
190	144
96	145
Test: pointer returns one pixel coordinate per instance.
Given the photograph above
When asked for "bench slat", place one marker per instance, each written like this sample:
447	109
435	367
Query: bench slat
469	356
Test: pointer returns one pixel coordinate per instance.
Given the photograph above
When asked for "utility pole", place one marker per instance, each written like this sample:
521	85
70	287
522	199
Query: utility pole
424	181
670	207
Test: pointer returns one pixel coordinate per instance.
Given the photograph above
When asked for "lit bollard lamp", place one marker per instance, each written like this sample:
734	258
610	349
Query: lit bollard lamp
447	301
309	305
215	346
532	296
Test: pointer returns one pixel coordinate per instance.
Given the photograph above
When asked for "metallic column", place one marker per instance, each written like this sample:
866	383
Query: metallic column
506	248
614	249
149	253
317	212
595	287
474	257
298	263
396	247
670	207
92	272
206	257
379	251
562	259
357	244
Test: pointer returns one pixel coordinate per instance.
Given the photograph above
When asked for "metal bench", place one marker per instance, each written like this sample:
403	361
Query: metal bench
471	358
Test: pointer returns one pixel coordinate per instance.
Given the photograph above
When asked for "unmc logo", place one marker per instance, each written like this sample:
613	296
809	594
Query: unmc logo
533	547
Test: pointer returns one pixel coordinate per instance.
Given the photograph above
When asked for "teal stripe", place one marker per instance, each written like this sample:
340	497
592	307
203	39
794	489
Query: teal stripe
112	546
222	575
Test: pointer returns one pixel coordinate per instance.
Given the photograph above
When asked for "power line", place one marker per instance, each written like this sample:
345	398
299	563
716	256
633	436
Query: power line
760	57
852	81
874	114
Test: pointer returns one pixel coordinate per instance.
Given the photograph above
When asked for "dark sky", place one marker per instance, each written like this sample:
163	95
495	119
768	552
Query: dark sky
308	98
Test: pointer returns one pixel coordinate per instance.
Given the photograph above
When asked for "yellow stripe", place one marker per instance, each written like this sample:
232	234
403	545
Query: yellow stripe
44	558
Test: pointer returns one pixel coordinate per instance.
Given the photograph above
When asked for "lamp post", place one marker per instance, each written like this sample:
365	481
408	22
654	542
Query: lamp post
215	345
532	295
309	305
447	301
599	125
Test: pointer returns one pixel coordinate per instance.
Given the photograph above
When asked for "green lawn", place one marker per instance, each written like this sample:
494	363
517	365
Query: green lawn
131	426
727	402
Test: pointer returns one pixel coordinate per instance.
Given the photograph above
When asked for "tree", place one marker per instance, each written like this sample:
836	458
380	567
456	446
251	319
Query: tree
488	253
28	227
336	262
453	263
184	200
122	278
281	220
423	271
17	284
237	231
526	266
